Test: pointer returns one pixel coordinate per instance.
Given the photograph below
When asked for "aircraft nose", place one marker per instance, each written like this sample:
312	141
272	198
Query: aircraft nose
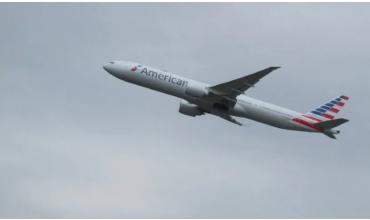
105	67
108	67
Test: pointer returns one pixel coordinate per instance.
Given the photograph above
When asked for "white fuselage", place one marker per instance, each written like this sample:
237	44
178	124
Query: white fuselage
175	85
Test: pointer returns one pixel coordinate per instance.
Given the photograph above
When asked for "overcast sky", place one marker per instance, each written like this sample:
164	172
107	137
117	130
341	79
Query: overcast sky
77	142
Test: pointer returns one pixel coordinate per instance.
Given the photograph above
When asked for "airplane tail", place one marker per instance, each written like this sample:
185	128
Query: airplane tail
332	123
329	110
323	117
327	126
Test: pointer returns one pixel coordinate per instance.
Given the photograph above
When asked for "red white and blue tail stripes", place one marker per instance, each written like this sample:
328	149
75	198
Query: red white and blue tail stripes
325	112
329	109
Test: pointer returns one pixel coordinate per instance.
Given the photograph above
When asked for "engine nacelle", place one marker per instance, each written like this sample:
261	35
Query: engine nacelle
196	90
189	109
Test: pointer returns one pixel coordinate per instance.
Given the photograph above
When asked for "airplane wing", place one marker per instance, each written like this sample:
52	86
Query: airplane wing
226	93
222	114
239	86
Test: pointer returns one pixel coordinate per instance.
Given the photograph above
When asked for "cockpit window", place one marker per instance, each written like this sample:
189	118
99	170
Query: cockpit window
111	62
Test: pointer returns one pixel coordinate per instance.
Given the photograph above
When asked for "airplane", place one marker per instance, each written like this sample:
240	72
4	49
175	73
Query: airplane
228	100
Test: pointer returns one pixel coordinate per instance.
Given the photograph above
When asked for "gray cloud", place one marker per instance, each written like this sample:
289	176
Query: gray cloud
77	142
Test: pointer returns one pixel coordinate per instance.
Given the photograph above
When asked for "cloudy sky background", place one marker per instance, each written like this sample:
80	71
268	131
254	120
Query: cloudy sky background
76	142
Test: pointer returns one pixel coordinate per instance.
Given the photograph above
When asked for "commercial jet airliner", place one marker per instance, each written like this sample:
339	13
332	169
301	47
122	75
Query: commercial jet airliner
228	99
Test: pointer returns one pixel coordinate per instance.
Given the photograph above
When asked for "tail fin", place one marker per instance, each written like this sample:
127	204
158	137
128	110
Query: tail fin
329	110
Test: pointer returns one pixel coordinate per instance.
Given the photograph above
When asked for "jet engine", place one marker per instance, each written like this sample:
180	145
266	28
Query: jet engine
189	109
196	90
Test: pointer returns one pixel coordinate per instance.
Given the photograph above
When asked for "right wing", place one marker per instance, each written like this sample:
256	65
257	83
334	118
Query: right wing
226	93
239	86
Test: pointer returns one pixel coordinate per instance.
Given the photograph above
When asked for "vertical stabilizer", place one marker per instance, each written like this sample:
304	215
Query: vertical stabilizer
329	110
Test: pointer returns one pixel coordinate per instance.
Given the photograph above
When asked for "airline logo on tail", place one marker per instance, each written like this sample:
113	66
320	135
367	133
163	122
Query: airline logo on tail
330	109
322	118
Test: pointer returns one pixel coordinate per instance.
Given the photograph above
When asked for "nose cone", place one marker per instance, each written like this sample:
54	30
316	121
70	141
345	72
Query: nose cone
105	67
115	68
108	67
112	68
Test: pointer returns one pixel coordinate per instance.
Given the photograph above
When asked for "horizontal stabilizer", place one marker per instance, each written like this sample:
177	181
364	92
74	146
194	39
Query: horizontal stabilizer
331	135
331	124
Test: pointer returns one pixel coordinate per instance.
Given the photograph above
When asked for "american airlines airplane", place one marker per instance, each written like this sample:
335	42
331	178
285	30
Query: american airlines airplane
227	99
